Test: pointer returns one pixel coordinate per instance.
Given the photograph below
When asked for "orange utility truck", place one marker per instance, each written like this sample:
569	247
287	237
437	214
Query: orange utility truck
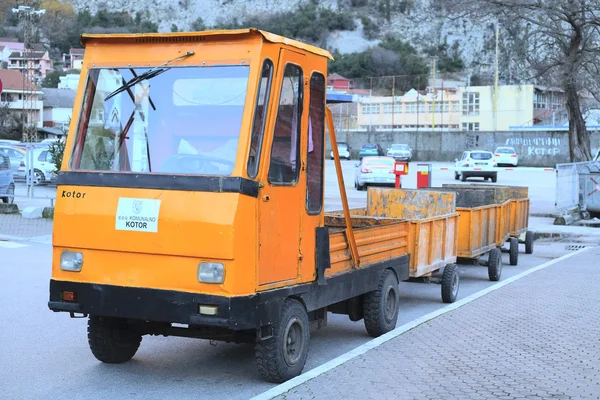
190	201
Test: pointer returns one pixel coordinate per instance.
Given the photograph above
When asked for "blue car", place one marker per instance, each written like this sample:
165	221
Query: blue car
7	182
370	149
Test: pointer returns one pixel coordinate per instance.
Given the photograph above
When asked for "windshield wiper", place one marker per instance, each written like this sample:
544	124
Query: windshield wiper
146	75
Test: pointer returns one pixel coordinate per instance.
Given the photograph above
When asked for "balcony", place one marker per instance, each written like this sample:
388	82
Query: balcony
22	66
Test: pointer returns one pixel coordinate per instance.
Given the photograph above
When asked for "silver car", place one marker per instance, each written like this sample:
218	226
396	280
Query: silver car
7	182
400	152
16	156
374	171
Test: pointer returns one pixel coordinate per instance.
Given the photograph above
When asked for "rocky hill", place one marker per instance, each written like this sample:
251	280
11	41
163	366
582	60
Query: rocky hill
417	22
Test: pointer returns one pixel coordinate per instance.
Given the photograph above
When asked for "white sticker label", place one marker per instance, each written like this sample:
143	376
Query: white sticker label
137	215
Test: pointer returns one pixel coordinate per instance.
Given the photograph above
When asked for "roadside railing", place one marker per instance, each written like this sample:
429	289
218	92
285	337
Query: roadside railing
578	188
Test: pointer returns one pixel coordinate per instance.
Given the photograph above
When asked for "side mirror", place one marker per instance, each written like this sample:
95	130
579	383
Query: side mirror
456	159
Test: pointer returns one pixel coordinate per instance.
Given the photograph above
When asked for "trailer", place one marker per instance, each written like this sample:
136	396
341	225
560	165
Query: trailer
518	220
432	236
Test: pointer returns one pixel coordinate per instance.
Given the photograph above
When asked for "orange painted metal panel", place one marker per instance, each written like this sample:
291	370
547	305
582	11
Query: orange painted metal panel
503	227
519	216
477	230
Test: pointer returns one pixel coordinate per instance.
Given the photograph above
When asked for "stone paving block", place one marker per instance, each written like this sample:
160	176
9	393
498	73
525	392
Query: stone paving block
537	338
17	226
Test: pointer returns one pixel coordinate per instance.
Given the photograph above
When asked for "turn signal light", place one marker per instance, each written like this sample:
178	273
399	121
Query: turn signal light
513	155
68	296
497	155
365	170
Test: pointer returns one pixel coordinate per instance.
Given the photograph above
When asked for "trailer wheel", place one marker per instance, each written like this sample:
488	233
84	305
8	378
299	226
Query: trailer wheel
111	340
450	283
514	251
381	305
495	265
283	356
529	242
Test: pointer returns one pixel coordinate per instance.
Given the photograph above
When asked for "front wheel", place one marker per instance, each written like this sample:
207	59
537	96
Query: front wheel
38	177
495	265
456	176
283	355
111	340
494	178
381	306
463	178
450	283
514	251
529	242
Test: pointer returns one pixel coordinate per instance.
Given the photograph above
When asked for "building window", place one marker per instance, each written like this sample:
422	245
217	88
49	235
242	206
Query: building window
539	100
411	108
370	108
389	108
422	107
470	103
470	126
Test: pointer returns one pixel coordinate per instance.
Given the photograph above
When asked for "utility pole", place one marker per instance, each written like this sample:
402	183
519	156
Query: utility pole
496	82
433	93
29	16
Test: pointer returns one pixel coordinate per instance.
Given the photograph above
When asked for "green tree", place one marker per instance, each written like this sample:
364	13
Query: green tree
57	150
52	79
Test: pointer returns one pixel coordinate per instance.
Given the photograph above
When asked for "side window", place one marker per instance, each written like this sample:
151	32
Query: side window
43	156
285	151
316	136
260	116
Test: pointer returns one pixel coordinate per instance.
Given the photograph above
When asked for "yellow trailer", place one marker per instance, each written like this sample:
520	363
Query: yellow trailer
431	231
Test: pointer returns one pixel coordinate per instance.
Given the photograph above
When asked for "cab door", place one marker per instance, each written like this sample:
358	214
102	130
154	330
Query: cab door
281	200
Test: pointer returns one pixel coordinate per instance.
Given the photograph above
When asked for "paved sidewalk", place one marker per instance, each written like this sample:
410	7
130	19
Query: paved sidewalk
536	338
15	226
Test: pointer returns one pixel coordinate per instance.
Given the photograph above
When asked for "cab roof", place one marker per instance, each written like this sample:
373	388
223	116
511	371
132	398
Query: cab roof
163	37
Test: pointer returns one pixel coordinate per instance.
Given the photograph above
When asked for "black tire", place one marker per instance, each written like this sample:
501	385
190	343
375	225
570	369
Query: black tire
111	340
494	178
514	251
38	177
450	283
463	178
283	356
381	306
495	265
529	242
456	176
10	195
486	178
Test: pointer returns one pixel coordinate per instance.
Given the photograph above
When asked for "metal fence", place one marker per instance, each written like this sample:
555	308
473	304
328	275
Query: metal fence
567	188
578	187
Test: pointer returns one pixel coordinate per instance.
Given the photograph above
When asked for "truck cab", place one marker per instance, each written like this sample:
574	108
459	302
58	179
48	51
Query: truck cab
191	192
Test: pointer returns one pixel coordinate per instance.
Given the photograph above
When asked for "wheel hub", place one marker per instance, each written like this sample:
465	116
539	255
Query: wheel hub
293	341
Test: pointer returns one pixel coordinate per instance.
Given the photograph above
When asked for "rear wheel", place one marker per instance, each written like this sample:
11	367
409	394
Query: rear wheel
456	176
381	306
283	356
10	195
111	339
463	178
38	177
495	265
514	251
450	283
529	242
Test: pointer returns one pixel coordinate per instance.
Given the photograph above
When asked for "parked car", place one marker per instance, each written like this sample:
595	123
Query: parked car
7	181
400	152
374	171
370	149
16	156
476	163
343	149
506	156
43	168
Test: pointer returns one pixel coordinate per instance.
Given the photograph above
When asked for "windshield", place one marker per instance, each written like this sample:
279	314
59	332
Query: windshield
481	156
399	147
504	150
185	120
342	146
369	146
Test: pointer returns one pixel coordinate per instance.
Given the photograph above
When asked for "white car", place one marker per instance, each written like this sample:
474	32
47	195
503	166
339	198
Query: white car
506	156
476	163
374	171
43	168
400	152
343	149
